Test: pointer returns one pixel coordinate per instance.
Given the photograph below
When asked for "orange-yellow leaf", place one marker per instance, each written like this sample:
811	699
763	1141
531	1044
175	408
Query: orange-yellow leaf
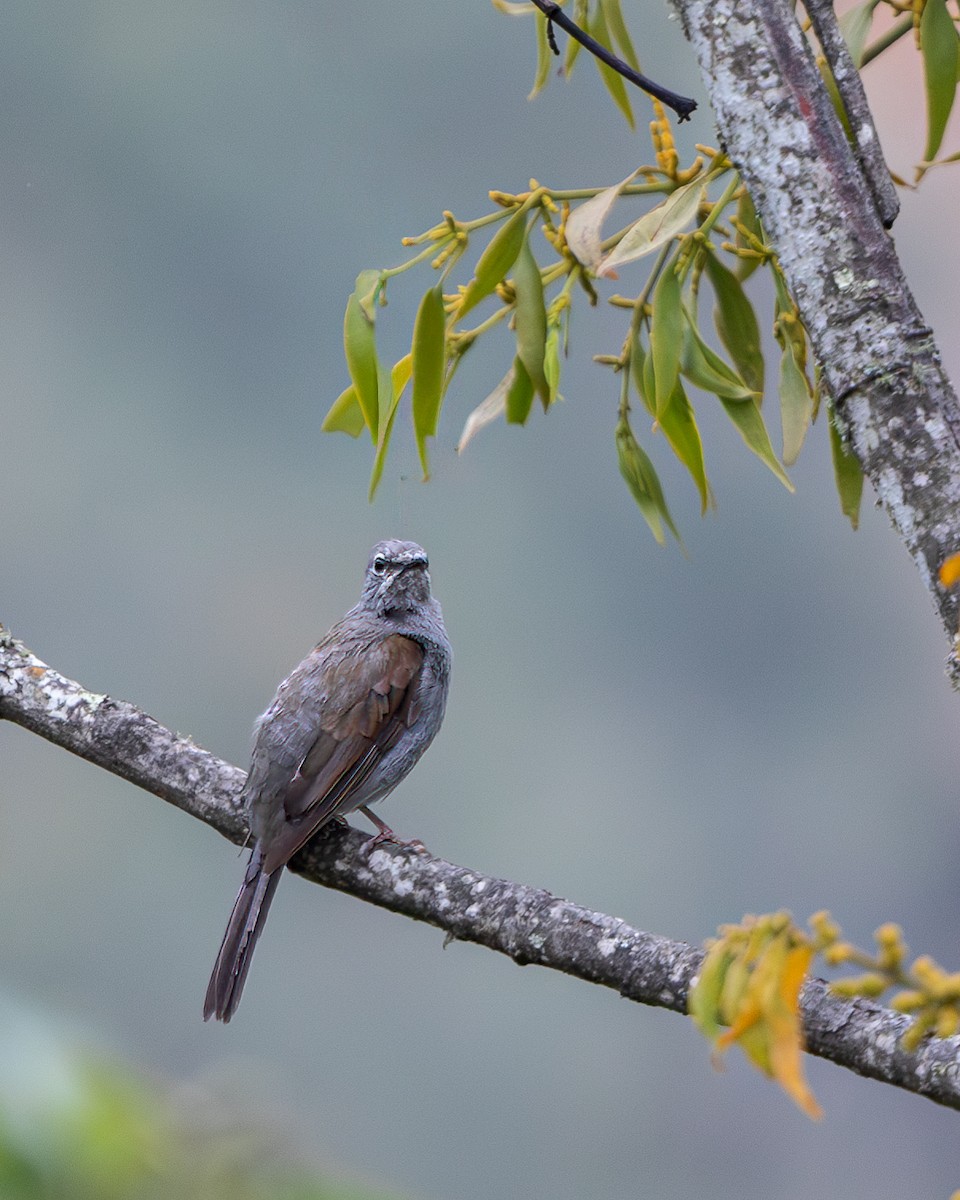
786	1032
950	571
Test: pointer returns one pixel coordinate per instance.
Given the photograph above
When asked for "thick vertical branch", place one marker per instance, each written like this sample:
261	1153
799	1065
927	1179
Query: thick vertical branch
877	356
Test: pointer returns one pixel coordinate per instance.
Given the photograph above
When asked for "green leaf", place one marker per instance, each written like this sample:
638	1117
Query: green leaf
581	14
847	473
939	48
677	422
855	27
645	386
611	78
495	262
584	226
392	385
643	482
656	227
705	368
619	32
360	349
666	335
745	414
796	405
551	364
544	57
531	321
519	394
367	287
736	323
344	415
679	427
703	999
429	358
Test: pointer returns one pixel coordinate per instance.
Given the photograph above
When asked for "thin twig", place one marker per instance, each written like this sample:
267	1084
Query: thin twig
683	106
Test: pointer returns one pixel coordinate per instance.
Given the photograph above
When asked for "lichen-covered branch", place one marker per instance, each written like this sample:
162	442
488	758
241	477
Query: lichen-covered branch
529	925
877	357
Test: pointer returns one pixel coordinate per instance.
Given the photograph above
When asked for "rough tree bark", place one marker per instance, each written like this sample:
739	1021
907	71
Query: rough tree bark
823	210
527	924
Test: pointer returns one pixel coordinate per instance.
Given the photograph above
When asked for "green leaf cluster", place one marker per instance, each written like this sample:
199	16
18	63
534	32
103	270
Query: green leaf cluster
538	250
506	270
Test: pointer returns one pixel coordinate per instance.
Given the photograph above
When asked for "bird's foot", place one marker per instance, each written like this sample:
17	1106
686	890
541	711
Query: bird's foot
385	834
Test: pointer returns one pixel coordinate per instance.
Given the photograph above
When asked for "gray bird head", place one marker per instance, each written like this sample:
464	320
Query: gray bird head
397	579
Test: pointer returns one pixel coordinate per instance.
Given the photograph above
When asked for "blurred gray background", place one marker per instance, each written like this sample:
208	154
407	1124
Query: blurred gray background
187	193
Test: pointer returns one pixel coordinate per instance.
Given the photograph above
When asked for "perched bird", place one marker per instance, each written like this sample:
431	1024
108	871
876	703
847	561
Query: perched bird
342	731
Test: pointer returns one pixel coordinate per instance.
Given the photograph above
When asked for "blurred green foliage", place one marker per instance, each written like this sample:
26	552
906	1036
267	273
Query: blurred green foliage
77	1126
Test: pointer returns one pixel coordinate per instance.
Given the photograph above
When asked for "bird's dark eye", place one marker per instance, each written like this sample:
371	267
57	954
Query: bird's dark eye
379	565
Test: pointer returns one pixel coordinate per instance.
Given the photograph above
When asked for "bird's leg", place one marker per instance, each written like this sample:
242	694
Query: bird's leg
386	834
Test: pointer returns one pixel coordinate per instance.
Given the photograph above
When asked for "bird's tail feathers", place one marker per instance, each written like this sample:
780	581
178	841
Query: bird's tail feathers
246	921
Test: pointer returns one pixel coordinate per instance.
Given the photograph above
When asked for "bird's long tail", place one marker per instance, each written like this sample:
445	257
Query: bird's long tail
246	921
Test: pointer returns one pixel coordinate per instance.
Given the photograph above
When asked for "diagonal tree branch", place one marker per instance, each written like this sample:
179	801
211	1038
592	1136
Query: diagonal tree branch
527	924
877	357
867	147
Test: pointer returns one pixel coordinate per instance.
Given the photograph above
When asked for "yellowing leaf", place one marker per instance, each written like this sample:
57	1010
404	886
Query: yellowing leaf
939	47
495	262
786	1030
751	980
950	571
585	224
429	359
344	415
656	227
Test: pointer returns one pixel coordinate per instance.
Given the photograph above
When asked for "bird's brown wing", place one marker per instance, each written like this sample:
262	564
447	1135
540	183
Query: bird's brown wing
371	698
